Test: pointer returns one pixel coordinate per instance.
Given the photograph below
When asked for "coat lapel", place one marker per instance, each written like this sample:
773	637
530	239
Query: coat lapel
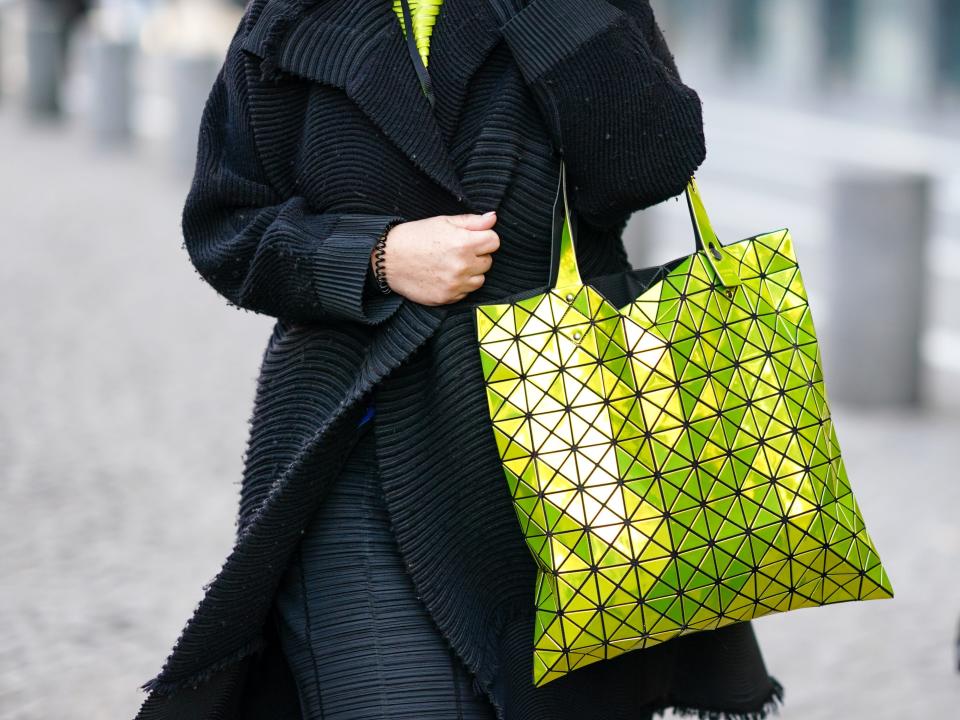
465	33
359	47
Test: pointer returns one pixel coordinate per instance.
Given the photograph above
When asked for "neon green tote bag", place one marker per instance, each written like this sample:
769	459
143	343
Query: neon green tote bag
672	462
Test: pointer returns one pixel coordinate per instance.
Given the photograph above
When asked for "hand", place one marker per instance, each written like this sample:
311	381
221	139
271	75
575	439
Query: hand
441	259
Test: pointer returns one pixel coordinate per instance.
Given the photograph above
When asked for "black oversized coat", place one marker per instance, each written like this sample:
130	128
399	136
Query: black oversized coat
315	136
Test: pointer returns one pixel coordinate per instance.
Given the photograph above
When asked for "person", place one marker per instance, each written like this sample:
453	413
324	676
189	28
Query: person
379	570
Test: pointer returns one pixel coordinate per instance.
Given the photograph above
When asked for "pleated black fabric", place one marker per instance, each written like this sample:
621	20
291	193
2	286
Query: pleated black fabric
359	641
316	135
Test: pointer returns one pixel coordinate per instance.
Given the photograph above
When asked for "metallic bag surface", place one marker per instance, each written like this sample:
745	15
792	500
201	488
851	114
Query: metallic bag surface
672	461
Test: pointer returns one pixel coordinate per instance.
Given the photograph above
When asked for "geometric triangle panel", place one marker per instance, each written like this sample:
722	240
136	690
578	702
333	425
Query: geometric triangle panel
672	463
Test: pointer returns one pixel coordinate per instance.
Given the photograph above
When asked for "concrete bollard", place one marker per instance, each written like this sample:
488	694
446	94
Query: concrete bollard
791	45
897	49
112	91
192	79
838	28
44	50
2	38
948	47
880	226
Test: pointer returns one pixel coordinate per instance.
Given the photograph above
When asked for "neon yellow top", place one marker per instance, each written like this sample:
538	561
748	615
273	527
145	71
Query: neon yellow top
424	15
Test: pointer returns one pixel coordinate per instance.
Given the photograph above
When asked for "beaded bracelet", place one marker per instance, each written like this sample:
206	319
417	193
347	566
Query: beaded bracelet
379	250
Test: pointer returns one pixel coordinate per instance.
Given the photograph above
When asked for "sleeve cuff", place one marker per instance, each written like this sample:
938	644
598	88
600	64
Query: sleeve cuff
344	272
545	32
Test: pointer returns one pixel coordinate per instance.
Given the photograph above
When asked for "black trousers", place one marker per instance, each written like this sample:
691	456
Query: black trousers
359	641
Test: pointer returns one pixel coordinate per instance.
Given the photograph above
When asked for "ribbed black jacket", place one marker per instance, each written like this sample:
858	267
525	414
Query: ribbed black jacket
316	134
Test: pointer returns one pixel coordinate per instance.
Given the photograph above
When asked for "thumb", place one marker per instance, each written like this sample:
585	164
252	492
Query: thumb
473	221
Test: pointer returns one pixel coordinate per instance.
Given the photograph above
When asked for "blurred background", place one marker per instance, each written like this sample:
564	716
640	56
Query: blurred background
126	383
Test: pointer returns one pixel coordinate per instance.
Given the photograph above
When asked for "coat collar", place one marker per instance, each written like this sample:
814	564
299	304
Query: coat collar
359	47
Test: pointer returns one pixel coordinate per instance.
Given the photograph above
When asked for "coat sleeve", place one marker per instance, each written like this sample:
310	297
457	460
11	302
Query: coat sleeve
630	132
265	251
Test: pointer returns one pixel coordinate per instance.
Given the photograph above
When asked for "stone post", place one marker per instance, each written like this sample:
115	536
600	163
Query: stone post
948	47
897	50
2	38
791	45
45	61
880	223
112	80
838	23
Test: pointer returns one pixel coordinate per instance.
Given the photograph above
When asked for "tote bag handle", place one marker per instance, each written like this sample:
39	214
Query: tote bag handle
563	256
564	271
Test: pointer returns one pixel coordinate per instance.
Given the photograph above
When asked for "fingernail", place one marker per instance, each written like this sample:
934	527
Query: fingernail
488	213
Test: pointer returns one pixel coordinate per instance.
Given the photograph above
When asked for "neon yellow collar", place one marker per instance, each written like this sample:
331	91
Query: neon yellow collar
424	14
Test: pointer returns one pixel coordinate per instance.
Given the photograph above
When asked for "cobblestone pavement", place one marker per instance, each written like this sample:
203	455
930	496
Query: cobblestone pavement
125	388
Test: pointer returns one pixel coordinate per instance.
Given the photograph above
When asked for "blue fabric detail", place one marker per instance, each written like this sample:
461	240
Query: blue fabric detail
367	415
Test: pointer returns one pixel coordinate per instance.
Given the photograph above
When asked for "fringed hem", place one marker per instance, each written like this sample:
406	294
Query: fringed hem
169	687
284	19
484	688
271	44
771	705
477	686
